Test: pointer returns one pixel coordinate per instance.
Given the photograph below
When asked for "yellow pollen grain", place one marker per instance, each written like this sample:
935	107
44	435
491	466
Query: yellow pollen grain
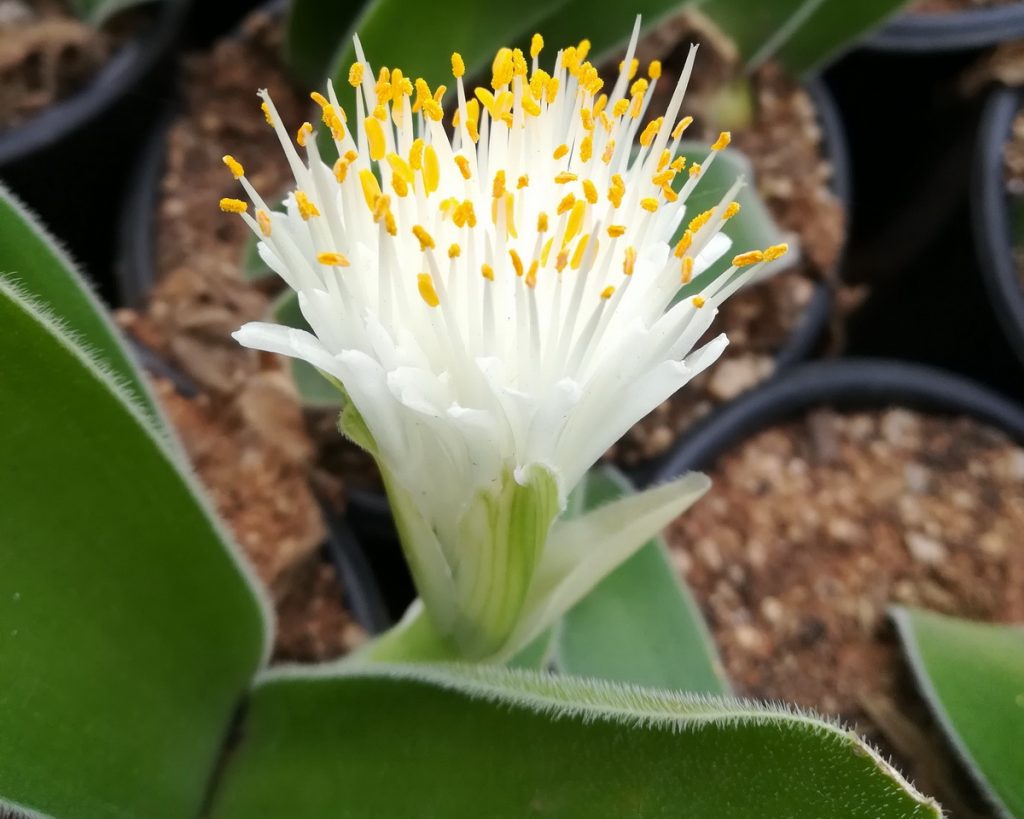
681	126
517	263
629	261
370	186
694	170
333	259
775	252
581	247
542	222
723	140
431	169
355	75
565	177
375	136
454	251
731	210
522	182
608	292
487	272
458	65
233	206
698	301
615	231
425	284
648	203
306	208
463	164
304	132
748	258
560	151
237	171
654	69
590	191
266	113
686	270
426	240
263	218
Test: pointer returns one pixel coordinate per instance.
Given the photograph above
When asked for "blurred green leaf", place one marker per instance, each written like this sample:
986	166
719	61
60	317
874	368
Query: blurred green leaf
484	741
972	676
97	12
128	629
640	624
314	31
31	258
313	388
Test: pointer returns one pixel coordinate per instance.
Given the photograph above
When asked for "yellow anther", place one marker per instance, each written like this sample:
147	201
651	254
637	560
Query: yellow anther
439	93
581	248
380	112
586	148
575	221
636	103
536	45
775	252
433	110
522	182
266	113
615	231
426	240
694	169
608	292
531	275
333	259
263	218
517	263
698	221
731	210
233	206
234	166
629	261
427	292
748	258
464	214
565	178
551	90
639	88
340	169
681	126
431	169
463	164
498	186
560	151
530	107
686	270
401	168
389	223
486	99
587	119
306	207
698	301
355	75
487	272
542	222
503	104
649	203
678	164
351	156
570	59
380	207
454	251
620	108
633	66
458	65
663	160
304	132
371	188
416	154
561	260
319	99
669	194
609	152
683	244
723	140
501	68
583	49
546	251
566	204
648	134
590	191
399	186
654	69
375	136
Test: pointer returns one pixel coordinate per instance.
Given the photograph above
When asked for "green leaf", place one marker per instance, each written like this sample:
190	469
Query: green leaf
128	628
751	229
314	389
972	676
800	34
32	259
639	624
582	551
484	741
314	31
98	12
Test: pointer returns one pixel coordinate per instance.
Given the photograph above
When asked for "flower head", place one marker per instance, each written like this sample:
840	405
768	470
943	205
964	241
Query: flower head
496	301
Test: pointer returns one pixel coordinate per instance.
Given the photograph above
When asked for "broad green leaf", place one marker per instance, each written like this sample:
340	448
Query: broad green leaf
253	267
640	624
314	389
972	676
313	33
800	34
484	741
582	551
128	628
751	229
97	12
32	259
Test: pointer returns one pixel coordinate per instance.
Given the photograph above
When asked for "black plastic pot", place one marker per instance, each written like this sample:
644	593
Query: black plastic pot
990	217
70	161
954	31
843	384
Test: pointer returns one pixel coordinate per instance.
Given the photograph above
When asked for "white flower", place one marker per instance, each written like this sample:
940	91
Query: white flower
497	305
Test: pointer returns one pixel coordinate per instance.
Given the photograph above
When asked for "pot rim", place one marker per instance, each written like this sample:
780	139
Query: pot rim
976	28
844	384
114	80
990	216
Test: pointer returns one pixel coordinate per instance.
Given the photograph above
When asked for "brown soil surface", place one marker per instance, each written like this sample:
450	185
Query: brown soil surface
47	54
783	140
812	529
245	432
947	6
